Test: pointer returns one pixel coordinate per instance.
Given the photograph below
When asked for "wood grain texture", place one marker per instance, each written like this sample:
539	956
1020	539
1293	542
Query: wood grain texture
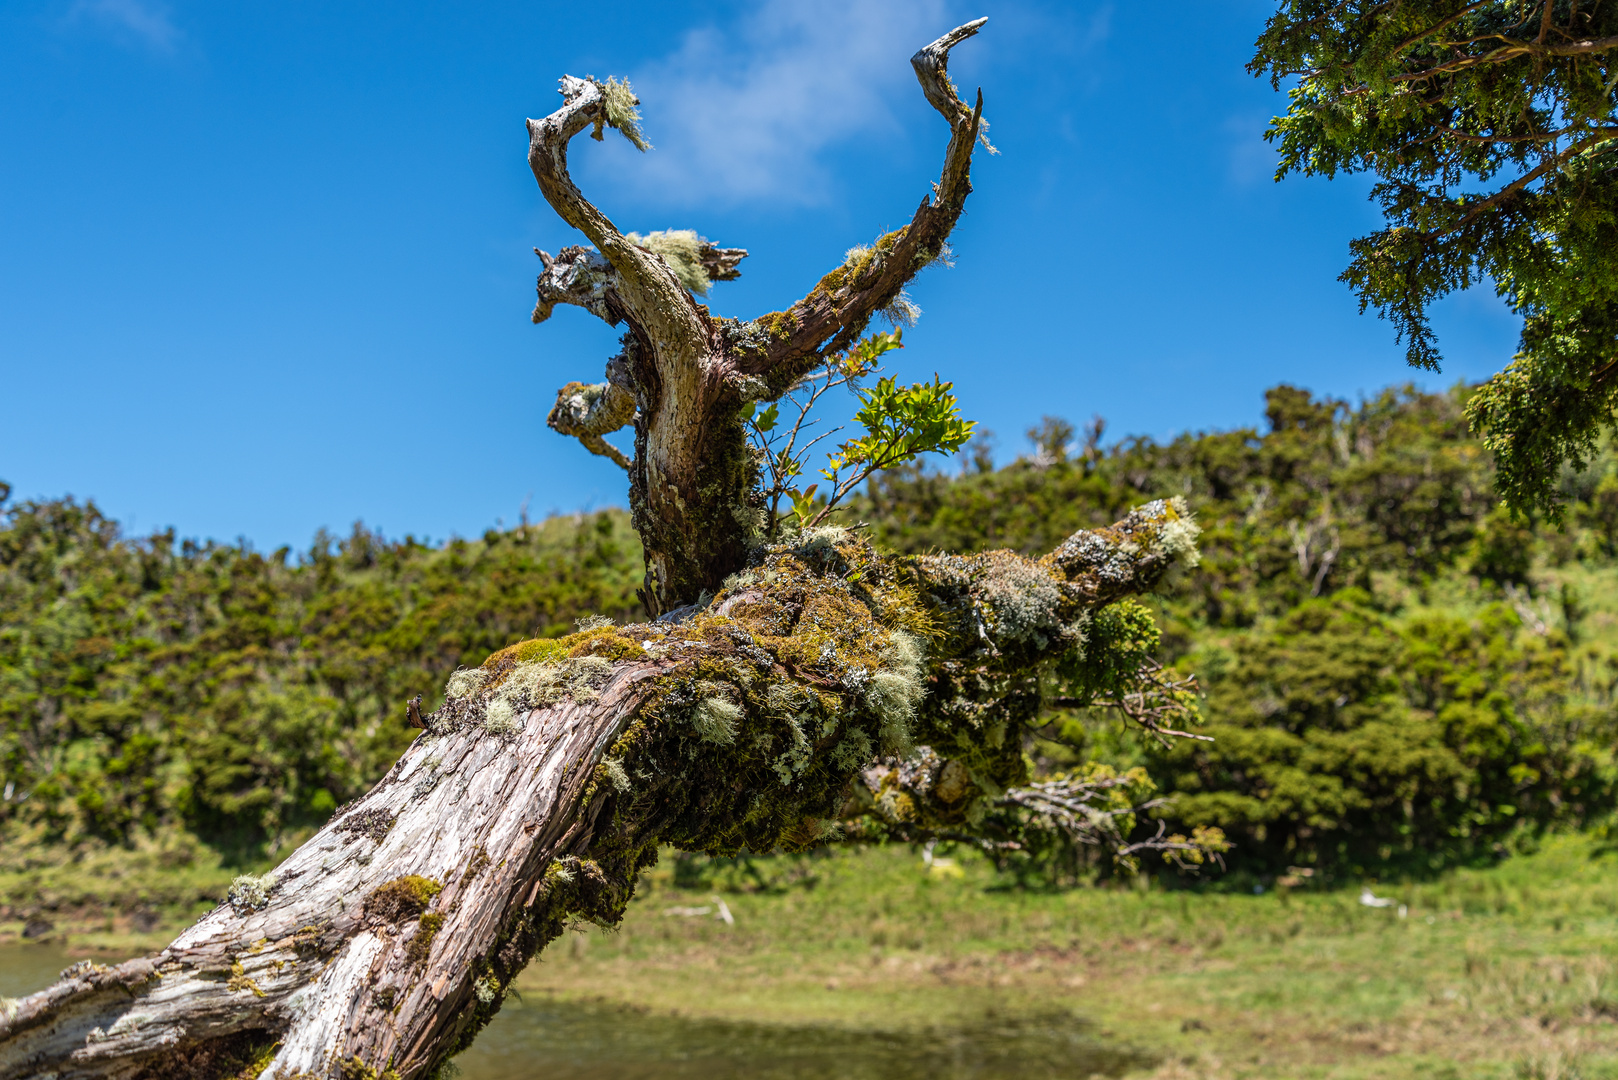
483	815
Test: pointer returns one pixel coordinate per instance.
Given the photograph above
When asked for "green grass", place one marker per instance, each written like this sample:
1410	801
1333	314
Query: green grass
1507	972
112	899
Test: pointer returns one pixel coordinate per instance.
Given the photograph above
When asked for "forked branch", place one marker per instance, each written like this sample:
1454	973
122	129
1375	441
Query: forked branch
587	411
838	309
645	286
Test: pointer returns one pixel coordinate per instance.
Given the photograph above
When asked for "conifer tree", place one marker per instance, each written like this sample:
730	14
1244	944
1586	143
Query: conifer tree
1491	130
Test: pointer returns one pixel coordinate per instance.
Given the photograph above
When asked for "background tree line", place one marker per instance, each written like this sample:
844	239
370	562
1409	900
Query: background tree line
1398	675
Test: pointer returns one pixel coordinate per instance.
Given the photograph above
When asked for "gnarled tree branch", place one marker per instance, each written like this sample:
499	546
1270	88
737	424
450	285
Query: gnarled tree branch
645	285
835	312
587	411
544	785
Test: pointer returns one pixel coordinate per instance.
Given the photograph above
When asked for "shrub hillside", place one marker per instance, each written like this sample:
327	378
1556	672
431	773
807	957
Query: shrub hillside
185	702
1398	675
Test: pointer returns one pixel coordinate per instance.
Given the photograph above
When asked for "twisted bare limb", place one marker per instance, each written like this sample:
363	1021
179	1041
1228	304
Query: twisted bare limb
694	489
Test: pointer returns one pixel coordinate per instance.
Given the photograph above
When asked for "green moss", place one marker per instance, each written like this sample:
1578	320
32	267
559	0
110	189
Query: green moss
533	674
402	898
855	263
239	981
356	1069
535	650
607	642
777	325
421	943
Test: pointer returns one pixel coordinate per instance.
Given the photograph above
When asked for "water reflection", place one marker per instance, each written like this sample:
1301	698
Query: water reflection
27	968
593	1042
569	1041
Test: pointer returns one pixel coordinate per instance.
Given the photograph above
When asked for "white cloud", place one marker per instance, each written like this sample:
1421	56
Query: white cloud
743	112
143	22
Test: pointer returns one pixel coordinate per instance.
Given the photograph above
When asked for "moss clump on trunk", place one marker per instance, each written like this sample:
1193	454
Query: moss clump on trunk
402	898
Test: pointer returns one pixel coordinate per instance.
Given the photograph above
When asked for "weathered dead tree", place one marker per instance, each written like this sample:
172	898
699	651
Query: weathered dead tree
770	679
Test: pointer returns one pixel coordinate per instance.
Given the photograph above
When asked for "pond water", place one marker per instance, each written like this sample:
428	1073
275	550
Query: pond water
570	1041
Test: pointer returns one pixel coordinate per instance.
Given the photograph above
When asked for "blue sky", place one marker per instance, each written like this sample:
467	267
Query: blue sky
266	267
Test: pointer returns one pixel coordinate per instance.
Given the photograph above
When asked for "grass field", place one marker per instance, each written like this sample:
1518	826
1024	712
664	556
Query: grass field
1504	972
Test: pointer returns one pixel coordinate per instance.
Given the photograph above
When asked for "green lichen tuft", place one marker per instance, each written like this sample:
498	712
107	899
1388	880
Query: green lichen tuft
614	773
681	249
249	893
715	720
421	943
1027	601
465	682
623	114
902	310
532	675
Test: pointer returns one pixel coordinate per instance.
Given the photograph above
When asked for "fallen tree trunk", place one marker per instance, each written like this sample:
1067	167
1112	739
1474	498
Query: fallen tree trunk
377	941
544	785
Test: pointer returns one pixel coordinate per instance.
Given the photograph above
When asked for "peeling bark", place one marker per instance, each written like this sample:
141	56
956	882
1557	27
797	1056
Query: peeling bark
310	967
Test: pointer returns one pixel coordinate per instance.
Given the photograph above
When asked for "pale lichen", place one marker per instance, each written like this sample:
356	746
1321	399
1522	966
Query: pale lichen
821	540
623	115
682	250
715	720
249	893
500	717
465	682
1177	538
902	310
1023	598
616	774
895	691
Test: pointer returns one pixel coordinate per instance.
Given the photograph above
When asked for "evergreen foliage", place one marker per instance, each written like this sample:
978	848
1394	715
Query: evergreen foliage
1490	129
